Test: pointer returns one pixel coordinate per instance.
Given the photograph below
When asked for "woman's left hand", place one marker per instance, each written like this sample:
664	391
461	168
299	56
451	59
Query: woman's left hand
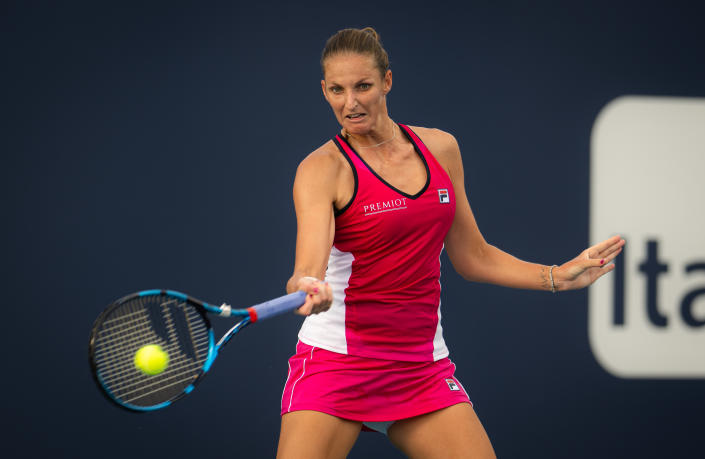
589	266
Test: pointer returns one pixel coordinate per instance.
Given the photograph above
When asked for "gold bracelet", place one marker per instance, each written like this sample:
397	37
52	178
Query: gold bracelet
550	275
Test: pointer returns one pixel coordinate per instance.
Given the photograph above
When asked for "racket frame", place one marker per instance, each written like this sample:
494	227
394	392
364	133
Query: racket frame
249	315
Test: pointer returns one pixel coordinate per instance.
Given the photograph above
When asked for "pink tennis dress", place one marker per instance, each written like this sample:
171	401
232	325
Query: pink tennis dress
378	353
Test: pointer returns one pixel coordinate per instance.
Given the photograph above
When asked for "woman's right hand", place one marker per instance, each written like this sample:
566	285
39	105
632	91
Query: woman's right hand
319	296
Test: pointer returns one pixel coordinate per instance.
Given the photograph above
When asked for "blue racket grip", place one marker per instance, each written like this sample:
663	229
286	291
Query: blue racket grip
277	306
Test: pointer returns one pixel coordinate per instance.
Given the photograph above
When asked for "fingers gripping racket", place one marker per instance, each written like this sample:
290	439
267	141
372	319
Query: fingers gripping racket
175	324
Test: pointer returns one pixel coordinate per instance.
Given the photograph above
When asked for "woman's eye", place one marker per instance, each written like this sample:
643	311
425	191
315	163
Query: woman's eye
336	90
365	86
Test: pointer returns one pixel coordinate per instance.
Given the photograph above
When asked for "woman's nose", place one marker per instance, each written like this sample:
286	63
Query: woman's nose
351	102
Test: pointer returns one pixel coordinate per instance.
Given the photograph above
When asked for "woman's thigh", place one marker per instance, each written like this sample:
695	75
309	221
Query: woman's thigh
454	432
314	435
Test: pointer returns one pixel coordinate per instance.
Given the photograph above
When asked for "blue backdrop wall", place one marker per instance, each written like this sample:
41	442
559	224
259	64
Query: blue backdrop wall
154	145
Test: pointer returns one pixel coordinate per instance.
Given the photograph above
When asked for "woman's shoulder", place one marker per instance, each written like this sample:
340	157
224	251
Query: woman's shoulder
430	132
324	160
442	144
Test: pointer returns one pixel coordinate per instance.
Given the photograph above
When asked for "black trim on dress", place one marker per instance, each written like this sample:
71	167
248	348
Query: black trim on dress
338	212
418	152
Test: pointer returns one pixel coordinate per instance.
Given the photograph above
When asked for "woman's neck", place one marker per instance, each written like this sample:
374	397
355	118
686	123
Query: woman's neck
374	139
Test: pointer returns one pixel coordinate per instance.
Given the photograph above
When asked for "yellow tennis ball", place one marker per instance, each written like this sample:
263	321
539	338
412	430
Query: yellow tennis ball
151	359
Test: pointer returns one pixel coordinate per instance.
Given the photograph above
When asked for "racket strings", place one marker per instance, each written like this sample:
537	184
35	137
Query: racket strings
172	324
131	389
114	374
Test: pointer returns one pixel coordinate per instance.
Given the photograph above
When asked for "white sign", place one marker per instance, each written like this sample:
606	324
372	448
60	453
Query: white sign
647	183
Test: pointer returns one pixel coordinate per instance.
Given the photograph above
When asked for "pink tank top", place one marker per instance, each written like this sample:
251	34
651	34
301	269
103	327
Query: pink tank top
384	266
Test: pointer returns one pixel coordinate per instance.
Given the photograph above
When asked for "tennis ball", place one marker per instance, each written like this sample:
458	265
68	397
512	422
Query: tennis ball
151	359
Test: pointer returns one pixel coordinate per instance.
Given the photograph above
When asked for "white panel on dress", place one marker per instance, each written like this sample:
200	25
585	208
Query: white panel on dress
327	329
440	350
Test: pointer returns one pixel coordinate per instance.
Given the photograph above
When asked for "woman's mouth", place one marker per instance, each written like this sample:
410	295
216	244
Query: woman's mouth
355	116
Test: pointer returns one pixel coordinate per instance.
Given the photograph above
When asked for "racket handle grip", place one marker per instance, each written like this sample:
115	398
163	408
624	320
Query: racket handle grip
277	306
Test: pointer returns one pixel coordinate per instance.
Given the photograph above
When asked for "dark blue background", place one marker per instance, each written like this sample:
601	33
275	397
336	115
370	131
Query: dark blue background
155	145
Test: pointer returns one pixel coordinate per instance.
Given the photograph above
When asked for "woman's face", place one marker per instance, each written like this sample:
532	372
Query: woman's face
356	91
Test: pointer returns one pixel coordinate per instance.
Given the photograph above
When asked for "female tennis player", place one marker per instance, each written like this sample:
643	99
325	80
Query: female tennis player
375	207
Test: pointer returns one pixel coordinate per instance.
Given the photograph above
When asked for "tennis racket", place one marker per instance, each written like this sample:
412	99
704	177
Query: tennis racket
180	326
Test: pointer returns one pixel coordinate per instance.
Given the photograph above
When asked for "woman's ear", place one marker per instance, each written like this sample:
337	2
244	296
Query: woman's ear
323	88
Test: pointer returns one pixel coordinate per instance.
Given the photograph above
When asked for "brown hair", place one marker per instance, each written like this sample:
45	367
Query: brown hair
360	41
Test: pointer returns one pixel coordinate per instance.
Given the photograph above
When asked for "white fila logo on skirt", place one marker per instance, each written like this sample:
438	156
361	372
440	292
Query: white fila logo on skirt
452	385
443	196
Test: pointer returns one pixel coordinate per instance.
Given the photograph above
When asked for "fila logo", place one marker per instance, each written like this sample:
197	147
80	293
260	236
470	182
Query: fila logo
443	196
452	385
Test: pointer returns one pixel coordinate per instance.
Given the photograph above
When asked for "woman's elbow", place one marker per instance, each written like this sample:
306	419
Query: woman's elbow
468	264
